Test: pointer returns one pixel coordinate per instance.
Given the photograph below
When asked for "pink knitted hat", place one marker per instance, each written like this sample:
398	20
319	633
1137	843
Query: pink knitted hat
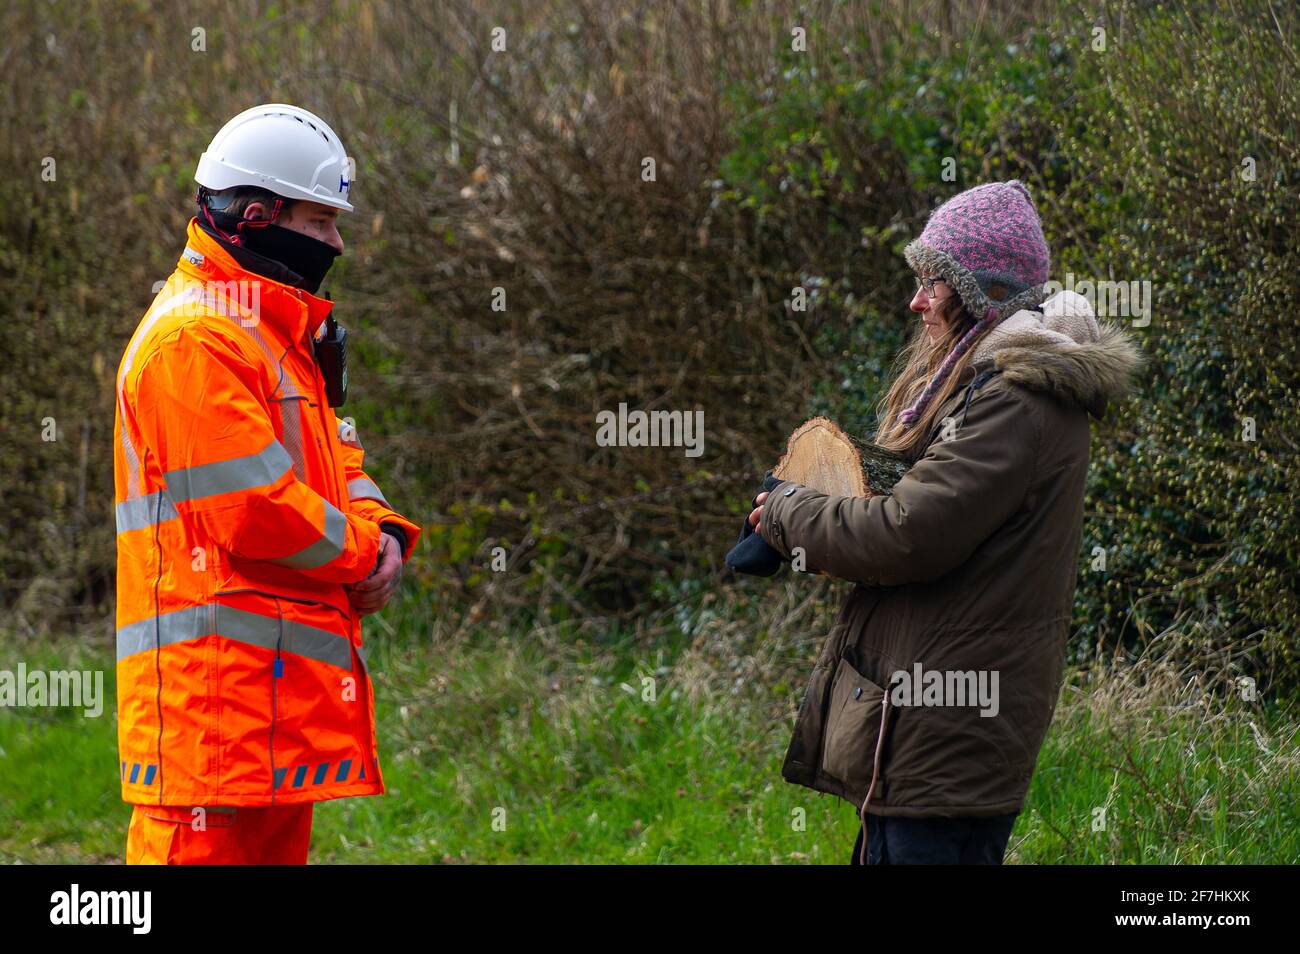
985	235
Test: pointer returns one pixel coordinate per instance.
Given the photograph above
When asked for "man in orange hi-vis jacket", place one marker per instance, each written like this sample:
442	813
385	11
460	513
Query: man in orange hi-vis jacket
250	540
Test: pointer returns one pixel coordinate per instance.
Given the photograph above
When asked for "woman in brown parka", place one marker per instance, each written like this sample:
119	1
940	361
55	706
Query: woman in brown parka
930	698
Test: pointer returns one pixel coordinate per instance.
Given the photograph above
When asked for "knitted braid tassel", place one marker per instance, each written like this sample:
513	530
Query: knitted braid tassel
910	416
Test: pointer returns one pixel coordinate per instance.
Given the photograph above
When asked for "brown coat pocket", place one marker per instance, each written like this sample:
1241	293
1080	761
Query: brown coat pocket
857	714
800	766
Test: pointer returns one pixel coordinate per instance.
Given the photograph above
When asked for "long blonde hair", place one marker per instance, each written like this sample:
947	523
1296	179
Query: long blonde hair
917	363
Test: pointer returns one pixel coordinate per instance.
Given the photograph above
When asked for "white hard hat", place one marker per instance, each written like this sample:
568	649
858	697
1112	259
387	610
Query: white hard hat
283	149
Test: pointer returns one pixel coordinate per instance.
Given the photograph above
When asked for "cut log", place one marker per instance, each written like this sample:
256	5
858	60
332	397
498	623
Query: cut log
821	456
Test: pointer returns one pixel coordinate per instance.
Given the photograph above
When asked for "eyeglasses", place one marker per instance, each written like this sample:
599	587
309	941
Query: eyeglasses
928	284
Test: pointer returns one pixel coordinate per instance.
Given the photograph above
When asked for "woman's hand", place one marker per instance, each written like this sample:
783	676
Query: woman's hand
757	513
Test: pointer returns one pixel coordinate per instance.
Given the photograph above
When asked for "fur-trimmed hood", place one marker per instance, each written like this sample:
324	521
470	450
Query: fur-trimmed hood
1063	350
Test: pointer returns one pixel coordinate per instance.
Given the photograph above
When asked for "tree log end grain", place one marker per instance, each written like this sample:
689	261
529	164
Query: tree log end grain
821	456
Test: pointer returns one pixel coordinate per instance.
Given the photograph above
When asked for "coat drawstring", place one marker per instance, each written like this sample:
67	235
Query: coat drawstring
875	773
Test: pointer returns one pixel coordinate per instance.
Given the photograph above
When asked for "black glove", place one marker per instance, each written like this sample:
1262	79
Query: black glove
752	554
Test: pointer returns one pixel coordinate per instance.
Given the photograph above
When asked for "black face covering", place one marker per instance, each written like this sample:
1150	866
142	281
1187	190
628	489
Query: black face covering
307	258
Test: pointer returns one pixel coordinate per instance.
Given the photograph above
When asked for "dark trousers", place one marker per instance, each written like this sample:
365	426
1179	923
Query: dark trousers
935	841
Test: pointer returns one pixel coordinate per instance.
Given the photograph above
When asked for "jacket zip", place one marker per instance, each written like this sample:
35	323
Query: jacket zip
327	423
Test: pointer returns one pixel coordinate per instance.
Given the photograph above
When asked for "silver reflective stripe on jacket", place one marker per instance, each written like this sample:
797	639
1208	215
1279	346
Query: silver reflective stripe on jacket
253	629
141	512
322	551
362	488
204	480
227	476
187	484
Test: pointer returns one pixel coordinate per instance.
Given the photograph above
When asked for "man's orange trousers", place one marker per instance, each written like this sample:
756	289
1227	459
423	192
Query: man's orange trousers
181	835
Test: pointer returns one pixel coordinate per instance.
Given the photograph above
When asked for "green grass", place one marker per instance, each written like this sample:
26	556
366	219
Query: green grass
548	730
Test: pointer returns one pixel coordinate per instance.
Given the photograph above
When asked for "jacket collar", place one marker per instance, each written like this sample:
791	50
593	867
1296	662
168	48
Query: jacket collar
292	312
